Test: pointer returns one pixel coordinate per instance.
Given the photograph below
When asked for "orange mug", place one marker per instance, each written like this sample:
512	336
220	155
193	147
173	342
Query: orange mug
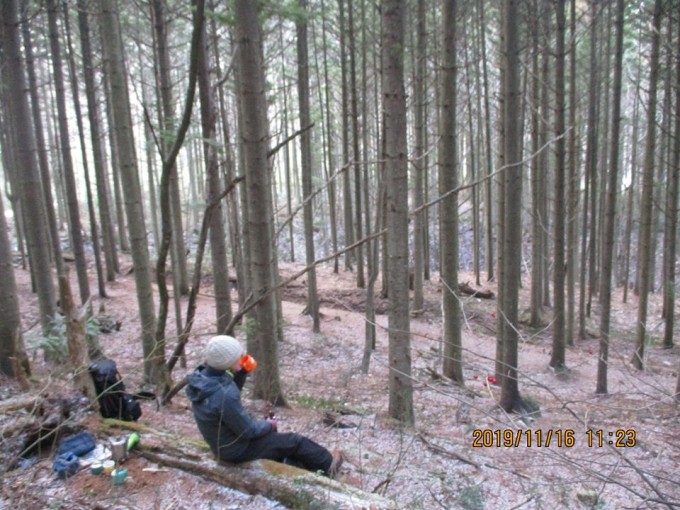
248	363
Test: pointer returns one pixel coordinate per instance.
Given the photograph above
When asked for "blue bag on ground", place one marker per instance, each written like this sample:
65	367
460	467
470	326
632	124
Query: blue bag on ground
78	444
66	465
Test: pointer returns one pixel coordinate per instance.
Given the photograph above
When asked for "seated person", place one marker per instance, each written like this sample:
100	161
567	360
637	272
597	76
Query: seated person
214	390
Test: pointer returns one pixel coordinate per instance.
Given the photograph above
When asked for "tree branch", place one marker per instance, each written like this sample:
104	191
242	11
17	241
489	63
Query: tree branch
251	304
196	282
168	167
281	144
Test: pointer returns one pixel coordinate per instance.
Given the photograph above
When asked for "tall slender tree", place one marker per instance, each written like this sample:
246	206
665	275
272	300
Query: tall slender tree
93	115
572	185
166	113
671	218
537	180
357	166
332	209
76	230
218	248
253	128
610	207
547	114
94	228
346	177
488	195
394	112
512	210
43	163
233	207
11	344
420	127
286	149
306	157
557	359
154	358
27	171
448	209
591	157
644	241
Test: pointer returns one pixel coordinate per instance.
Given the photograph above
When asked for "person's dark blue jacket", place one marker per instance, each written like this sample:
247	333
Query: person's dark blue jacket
224	424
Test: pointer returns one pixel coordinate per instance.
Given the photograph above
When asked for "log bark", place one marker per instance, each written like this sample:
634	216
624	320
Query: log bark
33	425
289	485
29	402
465	288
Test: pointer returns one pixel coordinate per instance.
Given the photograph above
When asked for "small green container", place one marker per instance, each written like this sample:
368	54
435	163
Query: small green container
119	475
132	441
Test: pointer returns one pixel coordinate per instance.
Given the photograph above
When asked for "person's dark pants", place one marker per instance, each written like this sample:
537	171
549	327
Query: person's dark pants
290	448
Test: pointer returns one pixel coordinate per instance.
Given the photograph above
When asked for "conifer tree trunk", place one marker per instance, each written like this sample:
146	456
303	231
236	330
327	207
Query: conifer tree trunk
545	129
12	354
286	150
306	157
420	127
27	171
599	201
394	111
357	166
472	168
179	262
666	151
263	341
346	180
591	158
367	135
332	201
631	193
448	209
154	355
671	218
41	149
572	187
121	227
150	151
233	205
557	360
610	206
499	181
76	230
12	183
93	115
512	237
218	248
94	228
537	178
668	125
488	196
245	278
645	239
169	166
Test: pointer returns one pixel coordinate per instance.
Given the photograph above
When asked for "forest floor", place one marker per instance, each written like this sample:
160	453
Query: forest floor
434	465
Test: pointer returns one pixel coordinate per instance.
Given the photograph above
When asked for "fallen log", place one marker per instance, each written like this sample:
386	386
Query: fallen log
465	288
34	428
289	485
28	402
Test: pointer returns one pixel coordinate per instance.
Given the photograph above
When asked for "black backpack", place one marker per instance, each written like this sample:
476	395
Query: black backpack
114	401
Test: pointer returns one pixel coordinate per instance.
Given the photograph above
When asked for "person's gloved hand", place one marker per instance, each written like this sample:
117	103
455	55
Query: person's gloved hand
273	424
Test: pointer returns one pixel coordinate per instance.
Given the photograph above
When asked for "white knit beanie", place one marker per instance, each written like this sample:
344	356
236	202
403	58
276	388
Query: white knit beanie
222	352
